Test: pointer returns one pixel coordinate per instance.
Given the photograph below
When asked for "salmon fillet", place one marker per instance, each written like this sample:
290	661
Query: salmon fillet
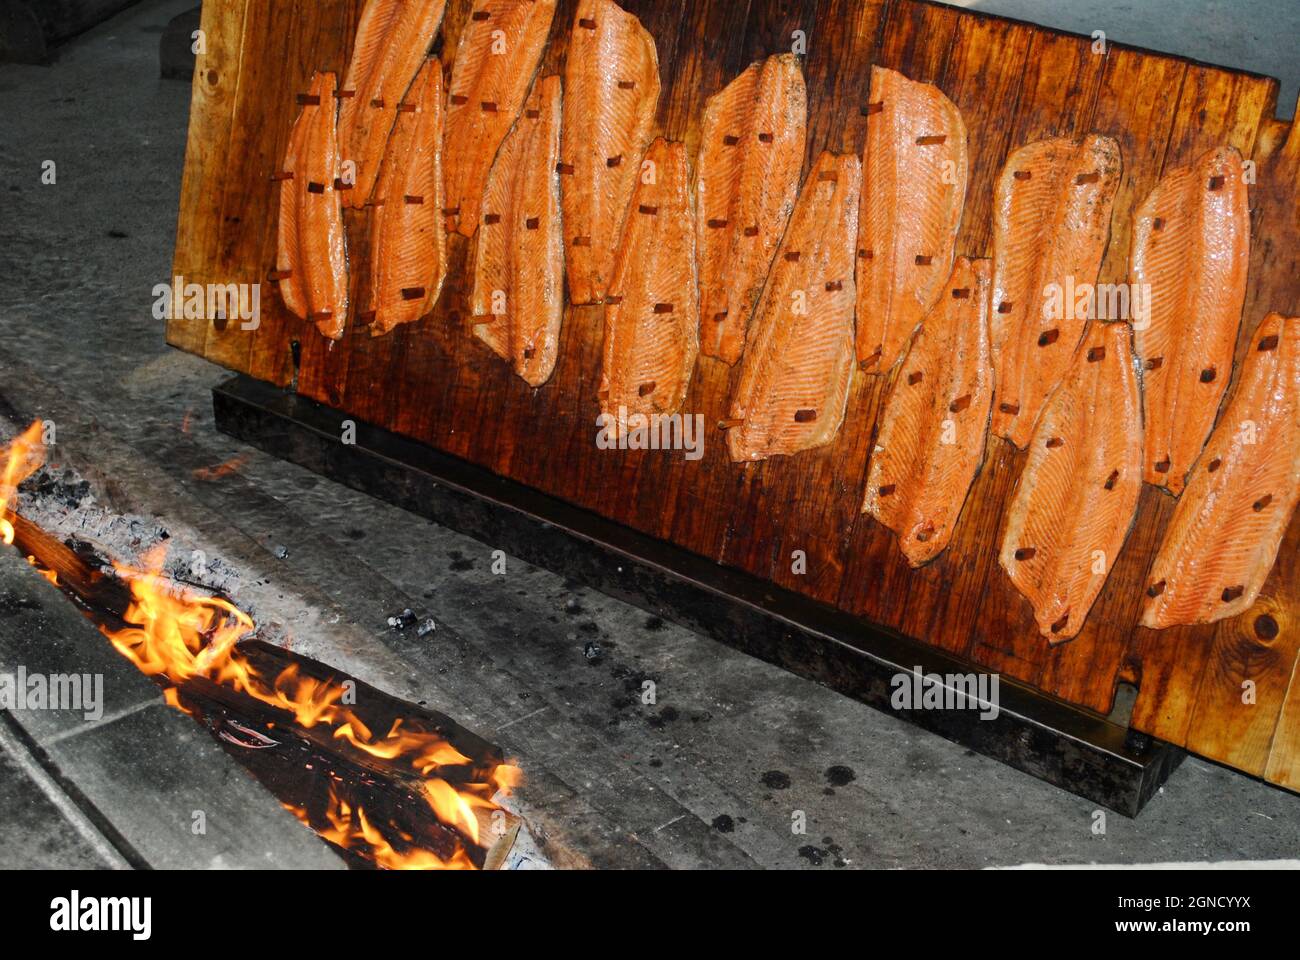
311	248
915	168
797	367
936	419
1191	246
1051	224
611	83
747	181
652	313
496	60
519	255
1075	502
288	271
408	247
393	37
1229	522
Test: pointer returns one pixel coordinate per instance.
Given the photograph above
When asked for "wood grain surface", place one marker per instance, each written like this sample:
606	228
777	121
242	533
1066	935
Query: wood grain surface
1014	83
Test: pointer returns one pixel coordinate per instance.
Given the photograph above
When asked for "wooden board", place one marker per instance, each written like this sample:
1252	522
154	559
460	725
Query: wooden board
1014	83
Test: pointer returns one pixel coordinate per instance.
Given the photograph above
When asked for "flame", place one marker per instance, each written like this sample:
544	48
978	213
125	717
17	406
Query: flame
351	829
22	457
178	634
48	574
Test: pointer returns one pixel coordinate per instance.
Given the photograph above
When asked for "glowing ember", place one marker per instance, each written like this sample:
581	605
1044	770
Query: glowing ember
179	635
233	465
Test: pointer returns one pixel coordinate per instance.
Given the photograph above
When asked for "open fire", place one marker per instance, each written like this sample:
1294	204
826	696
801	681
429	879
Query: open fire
195	644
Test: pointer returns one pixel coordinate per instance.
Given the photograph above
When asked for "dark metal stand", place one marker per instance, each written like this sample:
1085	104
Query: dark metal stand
1062	744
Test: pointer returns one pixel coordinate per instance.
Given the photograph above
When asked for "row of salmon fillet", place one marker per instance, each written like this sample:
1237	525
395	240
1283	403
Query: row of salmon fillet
803	280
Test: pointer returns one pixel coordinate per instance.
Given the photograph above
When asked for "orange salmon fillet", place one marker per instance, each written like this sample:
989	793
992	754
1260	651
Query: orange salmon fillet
611	93
311	248
915	168
797	368
1231	518
392	40
936	419
408	245
1050	228
1191	246
519	253
652	309
496	60
1075	502
747	181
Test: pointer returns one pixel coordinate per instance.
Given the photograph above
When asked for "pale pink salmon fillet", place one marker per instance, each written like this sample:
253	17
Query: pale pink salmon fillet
936	419
519	252
1051	225
311	247
1229	523
1191	249
749	169
652	308
611	93
797	368
1075	502
408	245
496	60
392	40
915	169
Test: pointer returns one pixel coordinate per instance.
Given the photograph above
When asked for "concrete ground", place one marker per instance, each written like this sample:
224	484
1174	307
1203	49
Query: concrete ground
713	774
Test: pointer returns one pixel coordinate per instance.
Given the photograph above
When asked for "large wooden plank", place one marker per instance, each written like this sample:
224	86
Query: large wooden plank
711	507
432	380
1276	257
917	40
247	215
710	51
322	373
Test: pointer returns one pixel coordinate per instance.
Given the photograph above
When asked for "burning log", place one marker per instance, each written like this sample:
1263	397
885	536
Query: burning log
318	774
386	782
84	577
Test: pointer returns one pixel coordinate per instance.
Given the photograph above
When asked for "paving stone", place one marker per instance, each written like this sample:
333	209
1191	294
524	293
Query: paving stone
34	834
43	632
150	772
